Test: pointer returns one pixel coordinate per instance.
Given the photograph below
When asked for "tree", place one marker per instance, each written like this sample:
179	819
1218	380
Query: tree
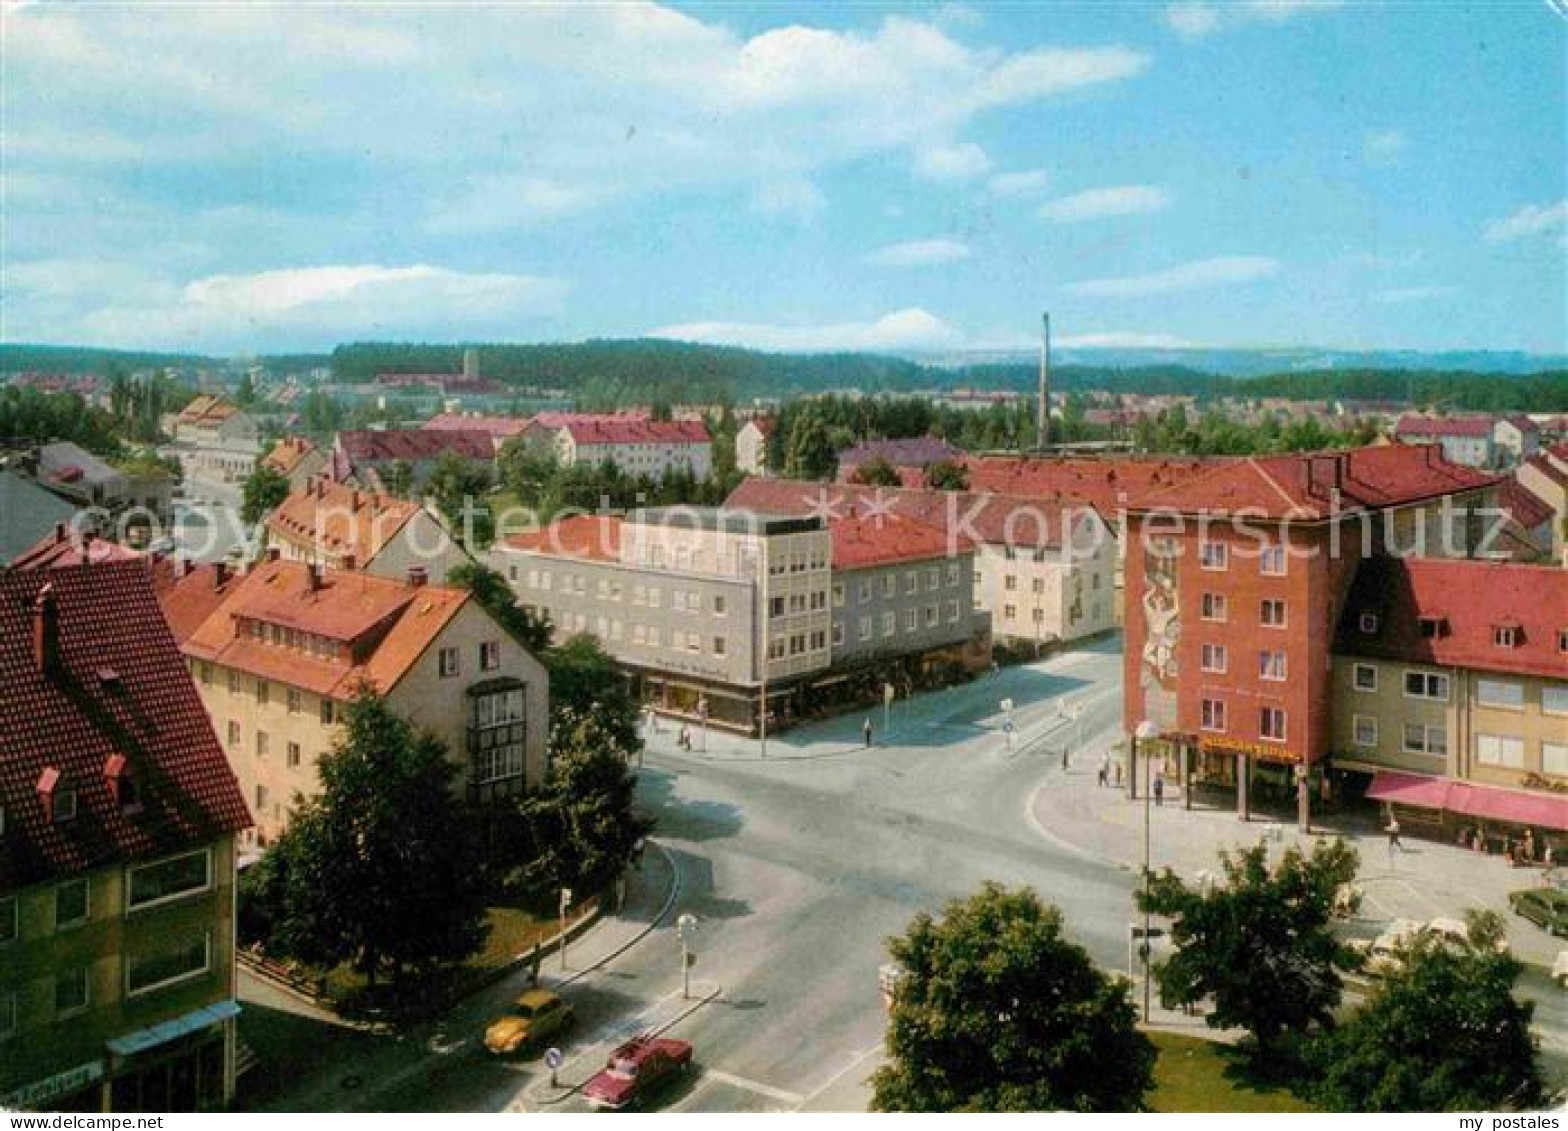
997	1011
264	489
496	596
809	453
380	869
579	829
876	472
1443	1032
1259	944
946	475
456	484
585	681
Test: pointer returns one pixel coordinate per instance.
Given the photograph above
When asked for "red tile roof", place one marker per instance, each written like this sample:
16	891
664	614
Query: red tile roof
594	537
883	539
498	428
1303	485
370	445
386	624
287	453
1473	598
558	419
1524	506
1429	427
1543	463
66	547
609	430
121	689
339	520
206	409
188	594
1107	483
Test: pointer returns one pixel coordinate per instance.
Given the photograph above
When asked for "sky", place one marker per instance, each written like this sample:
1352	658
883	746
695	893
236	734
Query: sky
246	178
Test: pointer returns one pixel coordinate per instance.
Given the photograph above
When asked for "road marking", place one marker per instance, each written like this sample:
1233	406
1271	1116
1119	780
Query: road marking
767	1090
856	1058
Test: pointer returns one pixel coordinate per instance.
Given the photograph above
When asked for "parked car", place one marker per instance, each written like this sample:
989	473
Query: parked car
1386	954
635	1070
1547	908
535	1016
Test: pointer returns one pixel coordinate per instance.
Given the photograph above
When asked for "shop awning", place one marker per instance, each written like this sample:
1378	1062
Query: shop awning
166	1031
1513	806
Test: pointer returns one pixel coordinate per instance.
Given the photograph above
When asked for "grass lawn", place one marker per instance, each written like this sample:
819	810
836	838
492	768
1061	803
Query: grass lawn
1192	1074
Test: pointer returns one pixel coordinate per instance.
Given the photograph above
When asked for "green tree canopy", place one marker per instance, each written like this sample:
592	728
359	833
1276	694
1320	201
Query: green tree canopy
876	472
496	596
264	489
1442	1032
945	475
997	1011
1259	943
458	486
585	682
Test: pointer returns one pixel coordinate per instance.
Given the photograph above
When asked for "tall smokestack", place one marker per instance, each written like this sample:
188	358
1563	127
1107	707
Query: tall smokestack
1043	407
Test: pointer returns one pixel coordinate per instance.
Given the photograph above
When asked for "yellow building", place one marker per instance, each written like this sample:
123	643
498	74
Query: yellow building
277	653
118	817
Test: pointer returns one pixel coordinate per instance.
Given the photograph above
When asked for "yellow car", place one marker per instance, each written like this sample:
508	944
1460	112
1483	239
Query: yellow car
535	1016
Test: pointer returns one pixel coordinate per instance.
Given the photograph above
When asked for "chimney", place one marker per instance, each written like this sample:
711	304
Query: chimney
46	631
418	576
312	577
220	574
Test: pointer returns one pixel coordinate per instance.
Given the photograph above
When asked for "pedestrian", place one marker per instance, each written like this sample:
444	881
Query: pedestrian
866	730
684	741
1064	757
1529	846
1118	775
1393	836
1159	791
533	966
1100	779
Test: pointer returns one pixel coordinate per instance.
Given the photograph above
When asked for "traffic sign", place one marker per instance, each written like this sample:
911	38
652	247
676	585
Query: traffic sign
1008	726
553	1058
1007	704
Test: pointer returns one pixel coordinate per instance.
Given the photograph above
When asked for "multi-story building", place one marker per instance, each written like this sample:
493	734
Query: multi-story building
636	445
288	645
1044	570
297	459
1450	689
214	439
500	429
1468	440
401	460
351	528
1236	581
751	445
701	606
118	817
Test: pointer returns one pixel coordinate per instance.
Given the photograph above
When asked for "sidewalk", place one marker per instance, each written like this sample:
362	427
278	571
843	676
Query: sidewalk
1423	880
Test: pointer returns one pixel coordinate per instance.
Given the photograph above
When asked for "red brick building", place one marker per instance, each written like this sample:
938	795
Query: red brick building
1235	578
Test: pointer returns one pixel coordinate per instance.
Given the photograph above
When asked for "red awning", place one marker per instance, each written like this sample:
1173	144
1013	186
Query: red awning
1514	806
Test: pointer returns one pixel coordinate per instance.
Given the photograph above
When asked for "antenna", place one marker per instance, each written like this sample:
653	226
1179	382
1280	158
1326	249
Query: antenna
1043	405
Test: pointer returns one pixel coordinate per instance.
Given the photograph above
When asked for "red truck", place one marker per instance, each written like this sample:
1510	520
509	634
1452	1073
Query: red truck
635	1070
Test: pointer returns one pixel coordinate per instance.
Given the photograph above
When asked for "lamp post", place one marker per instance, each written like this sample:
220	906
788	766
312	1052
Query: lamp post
685	928
566	903
1146	730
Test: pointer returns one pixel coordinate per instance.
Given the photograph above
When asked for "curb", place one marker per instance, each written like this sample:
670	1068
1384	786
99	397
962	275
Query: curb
653	924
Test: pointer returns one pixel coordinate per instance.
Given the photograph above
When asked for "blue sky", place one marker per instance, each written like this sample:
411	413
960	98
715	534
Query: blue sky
1272	172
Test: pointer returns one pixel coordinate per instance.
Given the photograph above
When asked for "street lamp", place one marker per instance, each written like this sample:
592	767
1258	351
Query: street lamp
685	928
1146	731
566	903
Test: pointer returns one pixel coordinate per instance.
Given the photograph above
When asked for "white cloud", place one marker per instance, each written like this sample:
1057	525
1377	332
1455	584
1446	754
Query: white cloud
793	198
1399	295
1383	147
1124	339
1025	182
1038	74
1194	19
1094	204
959	162
1200	274
911	328
1531	220
491	202
918	253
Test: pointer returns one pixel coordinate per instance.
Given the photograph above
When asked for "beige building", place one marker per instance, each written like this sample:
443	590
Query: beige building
118	817
751	445
1450	688
296	459
637	446
283	649
214	439
350	528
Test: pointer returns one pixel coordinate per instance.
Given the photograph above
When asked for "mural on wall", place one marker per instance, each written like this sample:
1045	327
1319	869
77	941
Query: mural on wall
1162	617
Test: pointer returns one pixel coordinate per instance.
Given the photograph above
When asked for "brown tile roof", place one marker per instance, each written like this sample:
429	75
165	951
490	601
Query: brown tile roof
188	593
287	453
498	428
121	689
370	445
206	409
1303	485
614	430
594	537
1105	483
340	520
1524	506
1428	427
66	547
383	625
1472	599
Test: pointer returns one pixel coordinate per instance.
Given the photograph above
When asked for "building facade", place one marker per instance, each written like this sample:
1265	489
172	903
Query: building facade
297	459
118	818
751	445
214	439
634	444
350	528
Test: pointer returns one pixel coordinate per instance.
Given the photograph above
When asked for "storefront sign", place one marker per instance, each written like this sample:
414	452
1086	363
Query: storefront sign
1266	752
51	1087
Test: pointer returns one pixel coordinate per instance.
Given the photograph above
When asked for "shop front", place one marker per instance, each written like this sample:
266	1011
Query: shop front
184	1064
1521	823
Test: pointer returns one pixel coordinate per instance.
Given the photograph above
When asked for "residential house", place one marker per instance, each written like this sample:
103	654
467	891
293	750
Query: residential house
751	445
215	439
348	528
500	429
401	460
1465	439
1515	438
297	459
118	818
637	446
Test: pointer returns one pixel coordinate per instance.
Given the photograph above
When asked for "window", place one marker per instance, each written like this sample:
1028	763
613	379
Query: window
1214	714
447	661
1010	583
1499	693
911	581
1365	727
889	624
719	607
1419	739
234	683
8	919
1214	606
1213	658
1499	750
1213	555
64	803
720	646
168	963
1272	561
327	711
263	693
295	700
1426	685
933	579
1009	612
292	755
262	742
911	620
1271	664
1037	585
1554	758
1271	723
70	992
952	573
1363	677
838	595
1368	624
168	879
838	634
889	585
1505	635
865	590
489	655
70	904
1432	627
1271	612
952	612
234	735
1554	700
1562	640
261	799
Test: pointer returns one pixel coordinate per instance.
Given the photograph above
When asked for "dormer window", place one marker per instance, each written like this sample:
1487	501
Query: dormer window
1505	635
1562	640
1433	627
58	796
1368	624
64	804
122	784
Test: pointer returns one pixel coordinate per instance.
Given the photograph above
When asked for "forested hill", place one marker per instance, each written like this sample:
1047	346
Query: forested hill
20	358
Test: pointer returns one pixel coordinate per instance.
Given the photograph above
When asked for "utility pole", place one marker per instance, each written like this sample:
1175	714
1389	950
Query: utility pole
685	928
566	903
